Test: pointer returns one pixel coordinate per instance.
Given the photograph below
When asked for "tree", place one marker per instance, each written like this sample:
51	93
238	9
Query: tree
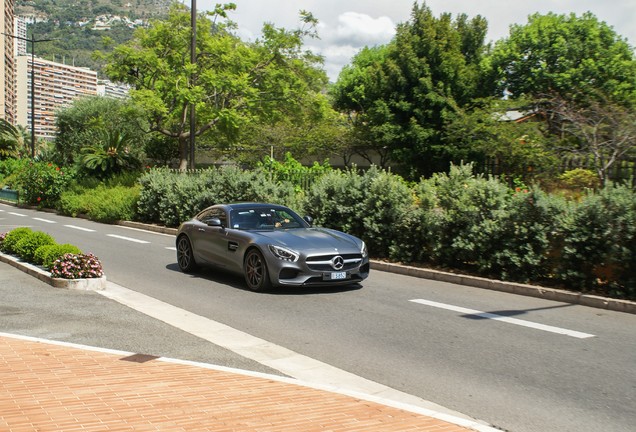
111	155
232	83
13	140
483	131
355	95
602	131
565	55
430	68
83	123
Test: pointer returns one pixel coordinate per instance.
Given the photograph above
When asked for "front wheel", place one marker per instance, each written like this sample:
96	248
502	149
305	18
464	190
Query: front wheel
185	255
256	274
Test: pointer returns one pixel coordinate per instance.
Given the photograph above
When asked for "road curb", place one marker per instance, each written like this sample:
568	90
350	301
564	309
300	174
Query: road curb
554	294
88	284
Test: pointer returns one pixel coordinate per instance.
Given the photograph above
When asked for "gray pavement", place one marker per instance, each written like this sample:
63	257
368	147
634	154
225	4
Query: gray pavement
30	307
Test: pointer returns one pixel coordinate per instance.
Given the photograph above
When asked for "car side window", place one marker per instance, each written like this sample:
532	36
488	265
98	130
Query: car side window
209	214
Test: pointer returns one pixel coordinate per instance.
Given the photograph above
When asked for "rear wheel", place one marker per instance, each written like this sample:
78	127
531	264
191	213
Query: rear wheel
185	255
256	273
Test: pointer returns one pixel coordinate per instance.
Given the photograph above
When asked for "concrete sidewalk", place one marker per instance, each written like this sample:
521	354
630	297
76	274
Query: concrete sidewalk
49	382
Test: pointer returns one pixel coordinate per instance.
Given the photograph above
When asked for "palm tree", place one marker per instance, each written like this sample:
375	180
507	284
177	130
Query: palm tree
110	155
13	140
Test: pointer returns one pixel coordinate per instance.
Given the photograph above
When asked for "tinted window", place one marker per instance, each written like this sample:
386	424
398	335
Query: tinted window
208	214
264	218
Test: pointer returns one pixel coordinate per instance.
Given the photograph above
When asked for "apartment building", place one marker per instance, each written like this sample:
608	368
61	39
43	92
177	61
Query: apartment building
20	31
110	89
7	62
55	85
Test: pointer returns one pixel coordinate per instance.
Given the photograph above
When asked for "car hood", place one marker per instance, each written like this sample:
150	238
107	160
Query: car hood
314	240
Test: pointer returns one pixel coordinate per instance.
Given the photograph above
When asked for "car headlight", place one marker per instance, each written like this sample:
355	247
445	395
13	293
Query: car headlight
284	253
364	251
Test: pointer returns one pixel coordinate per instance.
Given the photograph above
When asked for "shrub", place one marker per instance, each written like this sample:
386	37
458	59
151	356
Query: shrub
26	247
387	198
41	183
336	200
77	266
599	243
9	169
103	204
38	256
47	255
171	197
580	178
521	237
13	237
461	222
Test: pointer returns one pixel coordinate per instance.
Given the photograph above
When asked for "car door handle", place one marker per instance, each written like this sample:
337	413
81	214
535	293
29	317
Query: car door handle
232	246
201	229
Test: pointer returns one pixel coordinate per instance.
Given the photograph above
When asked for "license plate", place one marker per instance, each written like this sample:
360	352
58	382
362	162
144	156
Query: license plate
338	275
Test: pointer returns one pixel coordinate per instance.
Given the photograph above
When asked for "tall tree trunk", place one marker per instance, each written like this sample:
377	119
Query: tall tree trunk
184	147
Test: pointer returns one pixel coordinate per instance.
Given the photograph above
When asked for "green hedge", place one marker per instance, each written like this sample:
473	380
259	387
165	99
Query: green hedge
171	197
460	221
456	221
102	203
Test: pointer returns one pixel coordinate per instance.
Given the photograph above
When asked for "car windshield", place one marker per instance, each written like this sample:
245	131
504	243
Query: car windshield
265	218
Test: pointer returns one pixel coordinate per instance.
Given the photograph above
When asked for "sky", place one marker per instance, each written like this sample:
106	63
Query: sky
346	26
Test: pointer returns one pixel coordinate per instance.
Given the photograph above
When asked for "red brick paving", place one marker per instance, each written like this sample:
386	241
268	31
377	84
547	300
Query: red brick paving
48	387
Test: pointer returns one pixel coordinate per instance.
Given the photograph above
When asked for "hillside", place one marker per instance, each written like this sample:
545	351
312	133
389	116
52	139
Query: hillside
80	27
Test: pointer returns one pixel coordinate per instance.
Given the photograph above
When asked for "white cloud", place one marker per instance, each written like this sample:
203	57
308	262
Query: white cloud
360	29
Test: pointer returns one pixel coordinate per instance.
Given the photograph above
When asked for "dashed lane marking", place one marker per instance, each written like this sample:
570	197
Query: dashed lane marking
44	220
487	315
130	239
79	228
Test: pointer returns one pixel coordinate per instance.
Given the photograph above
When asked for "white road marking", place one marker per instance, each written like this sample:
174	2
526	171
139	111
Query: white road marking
17	214
44	220
127	238
509	320
79	228
172	248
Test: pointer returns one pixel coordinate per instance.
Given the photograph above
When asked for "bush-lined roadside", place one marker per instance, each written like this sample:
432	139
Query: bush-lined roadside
457	221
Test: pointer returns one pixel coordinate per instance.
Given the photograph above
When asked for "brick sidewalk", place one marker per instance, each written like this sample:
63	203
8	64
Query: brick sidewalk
48	387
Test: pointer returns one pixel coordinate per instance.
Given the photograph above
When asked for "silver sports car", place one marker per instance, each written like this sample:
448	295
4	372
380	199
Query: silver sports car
270	246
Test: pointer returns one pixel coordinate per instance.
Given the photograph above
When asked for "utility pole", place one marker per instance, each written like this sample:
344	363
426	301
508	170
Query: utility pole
193	60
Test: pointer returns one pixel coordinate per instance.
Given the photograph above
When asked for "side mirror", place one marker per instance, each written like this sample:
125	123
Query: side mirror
309	220
214	222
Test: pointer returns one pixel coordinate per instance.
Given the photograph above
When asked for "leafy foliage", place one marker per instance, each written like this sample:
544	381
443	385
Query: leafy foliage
26	247
41	183
402	94
171	197
565	54
481	132
46	255
13	237
102	203
112	155
13	140
231	84
365	204
92	122
599	242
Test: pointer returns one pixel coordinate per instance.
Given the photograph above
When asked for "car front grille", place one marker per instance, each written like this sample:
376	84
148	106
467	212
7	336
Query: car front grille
323	262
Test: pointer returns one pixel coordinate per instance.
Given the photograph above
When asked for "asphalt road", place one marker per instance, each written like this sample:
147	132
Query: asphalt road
519	363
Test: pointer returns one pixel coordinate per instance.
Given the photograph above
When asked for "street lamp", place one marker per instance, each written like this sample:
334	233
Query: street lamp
33	41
